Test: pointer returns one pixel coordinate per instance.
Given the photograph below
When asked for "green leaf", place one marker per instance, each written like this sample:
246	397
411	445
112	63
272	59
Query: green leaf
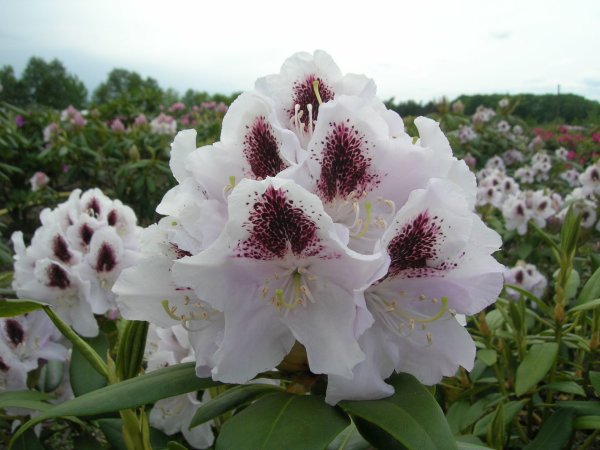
456	414
536	364
581	407
29	441
590	290
25	399
51	375
84	378
470	442
147	388
595	380
11	308
555	432
488	356
281	420
113	430
349	439
172	445
510	410
586	306
587	423
411	418
494	319
568	387
230	399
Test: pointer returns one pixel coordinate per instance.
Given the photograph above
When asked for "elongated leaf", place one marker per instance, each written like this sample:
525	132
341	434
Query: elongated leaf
411	418
230	399
84	378
586	306
147	388
456	414
555	432
470	442
172	445
51	375
29	441
568	387
25	399
286	421
11	308
113	430
349	439
488	356
587	423
581	407
535	366
510	411
590	290
595	380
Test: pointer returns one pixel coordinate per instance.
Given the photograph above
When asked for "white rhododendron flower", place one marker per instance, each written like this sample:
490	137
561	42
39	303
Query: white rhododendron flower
313	212
526	276
24	341
590	179
75	257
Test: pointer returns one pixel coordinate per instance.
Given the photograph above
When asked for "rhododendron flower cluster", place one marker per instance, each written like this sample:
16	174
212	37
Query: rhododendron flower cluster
317	220
76	256
527	277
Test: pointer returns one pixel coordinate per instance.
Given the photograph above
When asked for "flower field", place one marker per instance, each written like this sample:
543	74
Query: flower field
299	269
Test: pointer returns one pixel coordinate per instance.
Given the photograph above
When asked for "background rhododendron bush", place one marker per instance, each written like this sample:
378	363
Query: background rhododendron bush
300	268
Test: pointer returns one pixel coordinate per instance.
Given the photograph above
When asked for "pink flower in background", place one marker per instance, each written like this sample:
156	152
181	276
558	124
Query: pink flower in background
117	126
177	107
72	115
208	105
140	120
38	181
221	108
20	121
163	124
596	138
50	131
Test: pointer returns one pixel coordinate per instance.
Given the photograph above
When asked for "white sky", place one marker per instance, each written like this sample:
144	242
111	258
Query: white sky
413	50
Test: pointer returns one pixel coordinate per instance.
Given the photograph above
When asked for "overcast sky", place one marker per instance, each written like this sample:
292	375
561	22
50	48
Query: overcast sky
413	50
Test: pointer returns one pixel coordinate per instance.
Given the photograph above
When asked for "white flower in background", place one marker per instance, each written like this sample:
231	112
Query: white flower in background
525	174
274	234
163	124
541	164
495	162
583	203
483	115
536	143
24	341
50	132
165	347
503	126
512	156
571	176
590	179
466	134
504	103
458	107
516	213
527	277
75	257
73	116
541	207
517	130
561	154
38	181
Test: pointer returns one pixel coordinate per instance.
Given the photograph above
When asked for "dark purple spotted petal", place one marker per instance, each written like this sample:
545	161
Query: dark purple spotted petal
345	163
57	277
277	227
261	150
14	331
304	94
112	217
60	249
179	253
416	243
3	366
106	259
86	232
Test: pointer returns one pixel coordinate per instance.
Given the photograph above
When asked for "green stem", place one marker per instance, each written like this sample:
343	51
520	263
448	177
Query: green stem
590	440
88	352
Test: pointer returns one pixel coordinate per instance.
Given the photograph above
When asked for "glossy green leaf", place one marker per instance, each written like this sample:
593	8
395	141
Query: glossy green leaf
113	430
25	399
470	442
411	418
488	356
29	441
456	414
230	399
581	407
510	410
11	308
283	421
595	380
568	387
84	378
590	290
586	306
147	388
555	432
587	423
536	364
349	439
172	445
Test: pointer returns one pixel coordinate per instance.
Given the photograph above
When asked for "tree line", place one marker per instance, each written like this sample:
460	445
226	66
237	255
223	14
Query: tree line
126	92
